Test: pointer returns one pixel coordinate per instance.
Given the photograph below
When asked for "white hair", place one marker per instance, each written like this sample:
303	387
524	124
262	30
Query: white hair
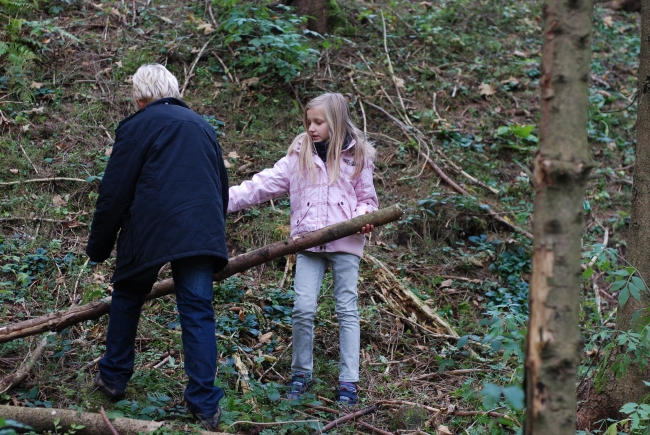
152	82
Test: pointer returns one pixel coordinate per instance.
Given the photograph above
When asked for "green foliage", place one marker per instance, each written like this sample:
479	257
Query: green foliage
269	43
21	41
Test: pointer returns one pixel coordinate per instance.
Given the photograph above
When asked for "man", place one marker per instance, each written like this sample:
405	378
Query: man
165	190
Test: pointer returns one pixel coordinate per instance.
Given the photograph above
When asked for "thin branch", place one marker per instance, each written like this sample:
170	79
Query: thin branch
40	180
108	422
190	74
346	418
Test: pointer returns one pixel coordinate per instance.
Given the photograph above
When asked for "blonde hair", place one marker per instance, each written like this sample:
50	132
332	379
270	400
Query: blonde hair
339	124
152	82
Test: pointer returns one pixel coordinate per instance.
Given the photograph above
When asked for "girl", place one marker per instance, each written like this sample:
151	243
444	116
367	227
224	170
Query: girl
328	174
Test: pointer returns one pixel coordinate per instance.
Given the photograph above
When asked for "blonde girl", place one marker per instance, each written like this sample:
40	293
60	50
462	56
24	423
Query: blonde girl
328	173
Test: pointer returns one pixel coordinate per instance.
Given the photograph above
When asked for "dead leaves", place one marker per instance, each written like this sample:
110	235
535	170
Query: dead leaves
486	89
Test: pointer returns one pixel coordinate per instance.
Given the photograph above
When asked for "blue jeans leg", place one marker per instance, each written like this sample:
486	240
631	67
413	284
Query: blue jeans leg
116	367
193	285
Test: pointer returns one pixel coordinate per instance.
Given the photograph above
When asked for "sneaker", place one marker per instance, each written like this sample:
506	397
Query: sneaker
299	384
111	393
347	394
212	423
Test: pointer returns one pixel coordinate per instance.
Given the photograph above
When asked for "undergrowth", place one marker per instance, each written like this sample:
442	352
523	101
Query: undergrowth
466	78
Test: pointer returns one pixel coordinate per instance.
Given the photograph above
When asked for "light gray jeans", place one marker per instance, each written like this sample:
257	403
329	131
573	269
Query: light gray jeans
310	268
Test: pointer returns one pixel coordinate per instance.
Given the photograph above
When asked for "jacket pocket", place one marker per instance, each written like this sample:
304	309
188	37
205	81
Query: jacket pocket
302	214
346	211
125	244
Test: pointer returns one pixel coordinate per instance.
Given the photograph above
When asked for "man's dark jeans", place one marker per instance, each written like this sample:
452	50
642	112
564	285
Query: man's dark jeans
193	285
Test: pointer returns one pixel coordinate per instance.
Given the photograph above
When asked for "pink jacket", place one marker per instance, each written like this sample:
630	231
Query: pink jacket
314	205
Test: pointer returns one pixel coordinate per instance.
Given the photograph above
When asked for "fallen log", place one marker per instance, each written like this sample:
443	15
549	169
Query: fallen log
42	421
60	320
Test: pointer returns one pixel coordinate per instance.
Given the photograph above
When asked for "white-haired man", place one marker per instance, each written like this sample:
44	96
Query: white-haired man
165	190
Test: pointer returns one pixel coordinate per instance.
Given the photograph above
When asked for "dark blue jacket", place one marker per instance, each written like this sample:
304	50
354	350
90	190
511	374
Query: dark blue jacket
165	190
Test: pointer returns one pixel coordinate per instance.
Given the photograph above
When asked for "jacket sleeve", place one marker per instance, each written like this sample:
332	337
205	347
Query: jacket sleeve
364	188
116	193
223	175
268	184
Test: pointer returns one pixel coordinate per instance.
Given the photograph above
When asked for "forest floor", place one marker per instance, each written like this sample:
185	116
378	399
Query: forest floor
456	83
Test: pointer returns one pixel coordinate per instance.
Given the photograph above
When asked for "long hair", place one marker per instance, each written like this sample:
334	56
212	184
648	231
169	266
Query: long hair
340	126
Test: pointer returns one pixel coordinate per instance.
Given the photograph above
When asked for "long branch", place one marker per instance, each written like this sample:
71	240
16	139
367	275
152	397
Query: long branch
57	321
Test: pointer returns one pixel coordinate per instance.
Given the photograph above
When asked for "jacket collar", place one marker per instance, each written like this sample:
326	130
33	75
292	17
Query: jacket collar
162	101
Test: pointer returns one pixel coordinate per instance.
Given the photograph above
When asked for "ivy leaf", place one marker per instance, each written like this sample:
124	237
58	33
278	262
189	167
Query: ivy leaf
639	283
515	396
623	296
628	408
634	291
491	395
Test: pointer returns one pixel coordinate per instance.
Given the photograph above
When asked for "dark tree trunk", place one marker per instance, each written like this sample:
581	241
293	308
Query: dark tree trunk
316	10
562	166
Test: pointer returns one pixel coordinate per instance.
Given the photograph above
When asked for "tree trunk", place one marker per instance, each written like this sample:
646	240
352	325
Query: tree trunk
42	420
630	387
562	167
316	10
59	320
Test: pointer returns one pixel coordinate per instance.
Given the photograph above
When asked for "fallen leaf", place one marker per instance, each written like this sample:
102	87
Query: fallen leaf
26	127
265	338
13	171
165	19
608	21
233	155
519	53
36	110
444	430
486	89
36	85
58	201
399	82
446	283
227	164
245	84
108	151
118	64
206	27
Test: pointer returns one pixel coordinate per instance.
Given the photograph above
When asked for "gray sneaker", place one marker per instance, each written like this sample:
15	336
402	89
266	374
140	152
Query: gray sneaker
299	384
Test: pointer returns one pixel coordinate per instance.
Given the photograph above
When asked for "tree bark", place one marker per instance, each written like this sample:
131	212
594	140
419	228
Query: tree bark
42	420
561	173
316	10
59	320
630	387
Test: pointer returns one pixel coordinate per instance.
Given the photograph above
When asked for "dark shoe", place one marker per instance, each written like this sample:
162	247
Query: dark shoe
299	384
111	393
212	423
347	395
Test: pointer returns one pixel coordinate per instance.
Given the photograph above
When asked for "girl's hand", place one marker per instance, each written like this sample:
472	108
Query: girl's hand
369	228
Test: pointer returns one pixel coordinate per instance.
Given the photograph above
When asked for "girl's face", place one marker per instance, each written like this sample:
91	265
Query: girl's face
317	125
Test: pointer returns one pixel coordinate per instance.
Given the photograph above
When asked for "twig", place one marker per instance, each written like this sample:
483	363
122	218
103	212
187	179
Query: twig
273	365
451	372
74	290
28	364
372	428
392	72
28	159
274	423
448	180
106	420
209	4
363	113
193	65
56	221
346	418
404	402
225	68
161	363
41	180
